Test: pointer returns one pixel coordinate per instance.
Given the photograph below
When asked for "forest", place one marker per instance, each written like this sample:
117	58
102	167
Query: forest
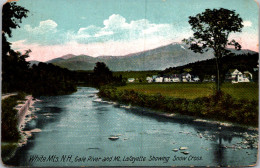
44	78
242	62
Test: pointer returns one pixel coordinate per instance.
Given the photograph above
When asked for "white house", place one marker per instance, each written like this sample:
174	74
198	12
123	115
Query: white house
159	79
131	80
166	79
186	77
247	76
236	76
196	79
149	79
176	79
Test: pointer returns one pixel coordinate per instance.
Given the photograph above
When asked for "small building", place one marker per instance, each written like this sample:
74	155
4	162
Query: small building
247	76
154	76
149	79
131	80
167	79
176	79
196	79
159	79
186	77
209	78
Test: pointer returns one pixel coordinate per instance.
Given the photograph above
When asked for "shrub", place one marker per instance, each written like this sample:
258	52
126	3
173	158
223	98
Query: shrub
219	106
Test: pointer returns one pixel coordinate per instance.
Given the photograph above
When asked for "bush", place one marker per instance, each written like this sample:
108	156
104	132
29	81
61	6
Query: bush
219	106
9	129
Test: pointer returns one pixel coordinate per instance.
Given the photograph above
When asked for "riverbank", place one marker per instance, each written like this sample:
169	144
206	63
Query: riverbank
80	125
18	108
220	107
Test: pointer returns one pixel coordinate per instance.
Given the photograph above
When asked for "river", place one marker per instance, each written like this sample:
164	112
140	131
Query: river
75	129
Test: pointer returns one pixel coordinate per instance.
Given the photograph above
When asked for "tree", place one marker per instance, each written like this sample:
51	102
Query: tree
12	15
211	31
14	66
102	74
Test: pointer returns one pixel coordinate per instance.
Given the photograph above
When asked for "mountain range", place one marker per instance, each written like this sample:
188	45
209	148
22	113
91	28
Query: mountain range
160	58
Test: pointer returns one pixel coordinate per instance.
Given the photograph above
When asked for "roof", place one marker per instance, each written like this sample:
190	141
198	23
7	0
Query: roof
231	70
247	72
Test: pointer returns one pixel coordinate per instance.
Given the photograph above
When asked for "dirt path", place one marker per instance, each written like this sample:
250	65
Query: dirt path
4	96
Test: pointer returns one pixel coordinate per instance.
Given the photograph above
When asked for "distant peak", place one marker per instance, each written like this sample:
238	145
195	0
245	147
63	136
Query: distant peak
68	56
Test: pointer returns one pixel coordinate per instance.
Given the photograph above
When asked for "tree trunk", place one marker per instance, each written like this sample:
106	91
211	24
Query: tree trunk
218	75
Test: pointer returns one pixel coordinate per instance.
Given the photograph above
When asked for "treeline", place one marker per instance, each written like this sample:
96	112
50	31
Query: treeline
219	106
17	75
48	79
41	79
242	62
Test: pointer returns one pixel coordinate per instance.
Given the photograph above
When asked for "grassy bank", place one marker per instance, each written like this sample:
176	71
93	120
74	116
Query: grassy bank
194	90
181	98
10	132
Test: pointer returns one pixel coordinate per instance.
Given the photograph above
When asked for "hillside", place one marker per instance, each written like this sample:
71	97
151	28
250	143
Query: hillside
172	55
242	62
156	59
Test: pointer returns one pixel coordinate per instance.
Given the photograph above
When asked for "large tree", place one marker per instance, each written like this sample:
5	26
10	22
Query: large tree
102	74
14	66
211	31
12	15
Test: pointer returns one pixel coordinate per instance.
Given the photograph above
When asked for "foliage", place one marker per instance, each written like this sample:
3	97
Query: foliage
226	107
211	30
9	127
14	66
103	76
7	151
12	16
48	79
242	62
16	73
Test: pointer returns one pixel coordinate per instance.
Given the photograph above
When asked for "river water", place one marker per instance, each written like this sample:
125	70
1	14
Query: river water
75	129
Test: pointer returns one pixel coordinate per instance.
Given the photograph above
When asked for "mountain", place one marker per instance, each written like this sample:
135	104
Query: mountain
171	55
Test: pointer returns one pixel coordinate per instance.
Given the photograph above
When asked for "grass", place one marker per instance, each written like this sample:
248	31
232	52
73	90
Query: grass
242	90
10	134
8	150
193	90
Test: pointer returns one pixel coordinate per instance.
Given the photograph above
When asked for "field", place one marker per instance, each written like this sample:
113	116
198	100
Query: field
193	90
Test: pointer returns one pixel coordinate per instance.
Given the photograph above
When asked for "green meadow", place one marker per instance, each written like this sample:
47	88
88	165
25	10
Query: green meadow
247	91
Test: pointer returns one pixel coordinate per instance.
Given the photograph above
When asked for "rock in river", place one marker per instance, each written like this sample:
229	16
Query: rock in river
113	138
185	152
183	148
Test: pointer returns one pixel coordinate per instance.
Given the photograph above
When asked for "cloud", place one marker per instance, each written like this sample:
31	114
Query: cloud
115	37
116	28
115	22
247	23
46	33
47	26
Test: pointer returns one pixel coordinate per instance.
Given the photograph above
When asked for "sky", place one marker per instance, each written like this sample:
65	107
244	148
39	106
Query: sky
118	27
